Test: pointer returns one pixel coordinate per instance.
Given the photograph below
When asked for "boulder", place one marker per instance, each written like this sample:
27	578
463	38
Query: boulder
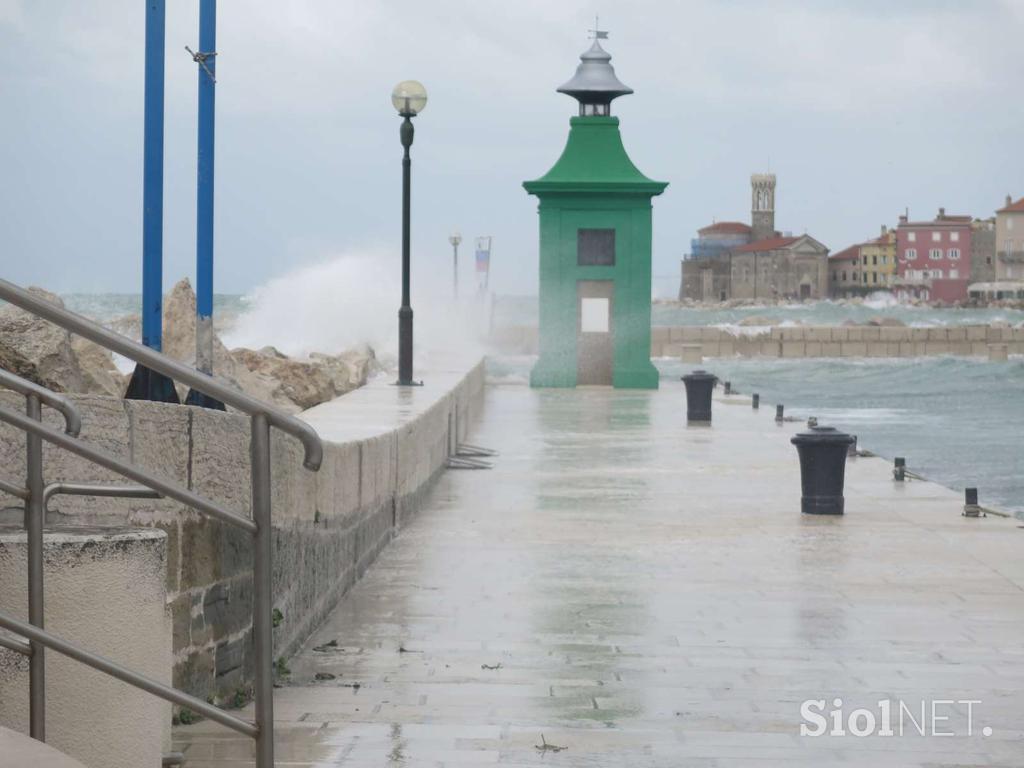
99	374
38	350
292	383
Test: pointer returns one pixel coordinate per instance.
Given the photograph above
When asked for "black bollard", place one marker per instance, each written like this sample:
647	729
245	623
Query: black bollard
812	422
779	411
699	386
728	387
971	508
852	450
755	401
822	453
899	469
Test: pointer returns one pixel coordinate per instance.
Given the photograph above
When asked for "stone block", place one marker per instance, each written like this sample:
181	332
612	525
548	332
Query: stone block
919	334
660	334
673	349
977	332
212	551
956	333
796	333
707	349
998	352
813	349
831	349
656	347
794	349
818	333
220	458
676	333
894	334
727	347
937	348
979	349
690	333
877	348
839	333
181	622
776	333
937	334
961	348
907	349
854	348
871	333
710	333
770	348
892	349
855	333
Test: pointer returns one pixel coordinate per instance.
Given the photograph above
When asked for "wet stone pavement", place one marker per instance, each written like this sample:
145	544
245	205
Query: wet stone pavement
621	590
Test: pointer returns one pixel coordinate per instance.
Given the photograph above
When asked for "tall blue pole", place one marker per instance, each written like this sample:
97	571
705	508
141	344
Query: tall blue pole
204	192
146	384
206	61
153	177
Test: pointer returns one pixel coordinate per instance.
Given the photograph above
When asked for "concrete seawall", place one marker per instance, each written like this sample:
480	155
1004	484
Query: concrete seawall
807	341
383	448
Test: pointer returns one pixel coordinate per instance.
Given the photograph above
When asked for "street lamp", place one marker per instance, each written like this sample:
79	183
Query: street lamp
455	238
409	98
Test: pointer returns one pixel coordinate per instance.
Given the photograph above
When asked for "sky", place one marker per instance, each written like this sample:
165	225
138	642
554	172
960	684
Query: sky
862	108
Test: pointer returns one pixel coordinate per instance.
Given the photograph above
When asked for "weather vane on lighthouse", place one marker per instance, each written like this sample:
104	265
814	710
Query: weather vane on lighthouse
597	33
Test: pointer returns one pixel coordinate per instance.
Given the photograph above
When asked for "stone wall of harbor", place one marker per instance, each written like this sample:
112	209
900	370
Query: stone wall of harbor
329	526
807	341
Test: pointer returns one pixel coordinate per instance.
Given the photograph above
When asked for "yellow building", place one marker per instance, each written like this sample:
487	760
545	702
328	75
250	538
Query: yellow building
878	261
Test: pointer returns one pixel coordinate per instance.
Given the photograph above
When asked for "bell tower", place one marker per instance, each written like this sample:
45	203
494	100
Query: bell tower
762	206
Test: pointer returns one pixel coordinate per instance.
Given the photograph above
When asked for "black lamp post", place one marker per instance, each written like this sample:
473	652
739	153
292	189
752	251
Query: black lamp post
409	98
455	238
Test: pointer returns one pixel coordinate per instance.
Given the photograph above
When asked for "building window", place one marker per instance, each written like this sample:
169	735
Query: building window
911	254
855	276
595	247
935	254
954	253
885	259
844	275
864	278
874	277
954	237
911	237
874	260
936	237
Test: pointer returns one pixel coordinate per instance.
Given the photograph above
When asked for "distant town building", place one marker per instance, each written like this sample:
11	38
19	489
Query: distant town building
934	258
1010	241
730	260
983	250
878	261
844	273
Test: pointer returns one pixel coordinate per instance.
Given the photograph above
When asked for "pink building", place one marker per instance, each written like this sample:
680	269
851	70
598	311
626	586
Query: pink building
934	258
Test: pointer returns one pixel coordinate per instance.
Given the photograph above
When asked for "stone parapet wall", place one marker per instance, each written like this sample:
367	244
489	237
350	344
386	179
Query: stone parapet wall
804	341
329	526
836	341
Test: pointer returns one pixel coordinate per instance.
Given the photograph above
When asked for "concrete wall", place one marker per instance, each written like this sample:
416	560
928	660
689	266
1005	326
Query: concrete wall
837	341
105	590
329	526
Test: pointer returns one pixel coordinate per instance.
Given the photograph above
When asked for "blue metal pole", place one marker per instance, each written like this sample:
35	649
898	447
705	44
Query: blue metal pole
146	384
204	193
153	177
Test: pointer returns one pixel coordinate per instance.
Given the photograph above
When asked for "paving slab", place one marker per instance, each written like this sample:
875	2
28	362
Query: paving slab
622	590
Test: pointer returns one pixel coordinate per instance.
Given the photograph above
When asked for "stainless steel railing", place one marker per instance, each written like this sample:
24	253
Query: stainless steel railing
36	494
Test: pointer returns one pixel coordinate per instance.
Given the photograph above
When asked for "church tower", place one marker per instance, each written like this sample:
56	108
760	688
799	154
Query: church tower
762	206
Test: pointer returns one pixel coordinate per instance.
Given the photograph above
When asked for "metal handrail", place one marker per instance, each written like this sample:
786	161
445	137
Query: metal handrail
259	525
72	418
156	361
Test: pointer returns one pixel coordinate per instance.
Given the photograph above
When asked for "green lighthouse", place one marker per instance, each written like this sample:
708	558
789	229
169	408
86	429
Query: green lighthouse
595	246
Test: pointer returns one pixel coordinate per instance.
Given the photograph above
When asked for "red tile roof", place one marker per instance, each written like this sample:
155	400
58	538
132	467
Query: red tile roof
725	228
853	252
1017	207
770	244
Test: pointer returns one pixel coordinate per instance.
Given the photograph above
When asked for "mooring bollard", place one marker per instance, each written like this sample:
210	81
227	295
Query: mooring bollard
728	387
812	422
852	450
699	386
779	411
899	469
822	453
755	401
971	508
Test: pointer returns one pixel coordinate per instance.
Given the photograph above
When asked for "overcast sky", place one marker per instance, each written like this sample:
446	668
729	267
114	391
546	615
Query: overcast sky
862	108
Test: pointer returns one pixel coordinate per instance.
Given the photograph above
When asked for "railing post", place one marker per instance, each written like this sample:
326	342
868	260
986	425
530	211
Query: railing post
34	511
263	597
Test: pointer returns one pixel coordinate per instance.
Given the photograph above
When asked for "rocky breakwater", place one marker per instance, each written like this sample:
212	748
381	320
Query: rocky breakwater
48	355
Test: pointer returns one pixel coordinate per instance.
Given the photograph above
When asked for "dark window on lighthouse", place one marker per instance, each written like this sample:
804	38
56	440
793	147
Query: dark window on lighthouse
595	248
